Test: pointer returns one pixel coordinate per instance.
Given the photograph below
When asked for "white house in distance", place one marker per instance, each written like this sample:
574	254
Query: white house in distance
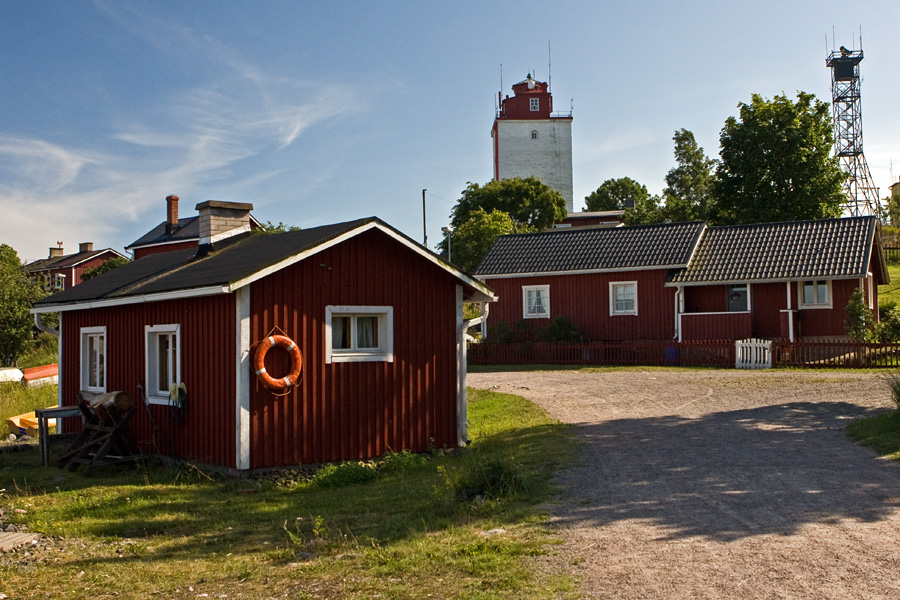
530	141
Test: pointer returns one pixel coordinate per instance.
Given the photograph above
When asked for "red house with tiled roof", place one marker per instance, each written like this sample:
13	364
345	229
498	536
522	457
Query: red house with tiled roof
60	271
376	318
688	281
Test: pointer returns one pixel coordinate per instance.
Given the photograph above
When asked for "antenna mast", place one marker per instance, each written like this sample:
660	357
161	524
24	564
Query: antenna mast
862	195
549	69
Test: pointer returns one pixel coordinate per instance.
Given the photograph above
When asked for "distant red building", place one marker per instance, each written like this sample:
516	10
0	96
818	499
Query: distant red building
687	281
231	218
60	271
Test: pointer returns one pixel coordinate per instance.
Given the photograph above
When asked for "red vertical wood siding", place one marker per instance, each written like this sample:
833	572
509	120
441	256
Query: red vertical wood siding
705	298
207	368
715	326
767	300
816	322
585	298
346	411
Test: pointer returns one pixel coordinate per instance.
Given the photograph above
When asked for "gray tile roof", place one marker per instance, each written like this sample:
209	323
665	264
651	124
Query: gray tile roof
829	248
559	251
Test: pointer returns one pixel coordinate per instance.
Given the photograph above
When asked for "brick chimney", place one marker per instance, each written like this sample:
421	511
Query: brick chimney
86	247
220	220
56	252
171	214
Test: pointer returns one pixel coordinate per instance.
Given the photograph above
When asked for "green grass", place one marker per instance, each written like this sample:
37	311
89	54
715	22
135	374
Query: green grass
881	433
891	291
44	352
15	399
405	532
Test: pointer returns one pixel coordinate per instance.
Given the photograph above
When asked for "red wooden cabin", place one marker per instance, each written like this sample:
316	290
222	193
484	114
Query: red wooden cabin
377	319
687	281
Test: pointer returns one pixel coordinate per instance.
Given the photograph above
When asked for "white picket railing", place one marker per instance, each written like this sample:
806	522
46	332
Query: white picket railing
753	354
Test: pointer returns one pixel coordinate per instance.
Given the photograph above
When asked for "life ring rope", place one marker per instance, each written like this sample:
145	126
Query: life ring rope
259	363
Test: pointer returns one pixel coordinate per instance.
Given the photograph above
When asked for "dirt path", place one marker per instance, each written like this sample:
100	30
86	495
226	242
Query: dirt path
719	484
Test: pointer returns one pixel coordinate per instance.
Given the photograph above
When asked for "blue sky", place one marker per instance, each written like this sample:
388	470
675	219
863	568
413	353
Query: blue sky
318	112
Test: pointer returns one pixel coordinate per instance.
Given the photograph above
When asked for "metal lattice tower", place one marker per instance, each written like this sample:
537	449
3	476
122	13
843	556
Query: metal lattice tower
862	195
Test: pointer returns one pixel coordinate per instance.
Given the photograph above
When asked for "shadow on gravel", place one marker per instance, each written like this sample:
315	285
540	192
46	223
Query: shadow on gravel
732	474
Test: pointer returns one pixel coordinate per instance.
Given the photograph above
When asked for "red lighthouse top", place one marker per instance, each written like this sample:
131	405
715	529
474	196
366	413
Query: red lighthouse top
532	100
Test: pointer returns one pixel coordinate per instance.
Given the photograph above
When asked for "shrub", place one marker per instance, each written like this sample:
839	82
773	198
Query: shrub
399	462
345	473
560	329
490	478
888	327
501	333
859	322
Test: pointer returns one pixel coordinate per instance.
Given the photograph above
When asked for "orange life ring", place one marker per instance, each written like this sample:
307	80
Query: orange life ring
259	363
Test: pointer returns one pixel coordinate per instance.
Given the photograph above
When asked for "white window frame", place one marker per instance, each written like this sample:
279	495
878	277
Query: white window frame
870	284
545	289
534	104
612	298
385	350
86	334
813	305
151	367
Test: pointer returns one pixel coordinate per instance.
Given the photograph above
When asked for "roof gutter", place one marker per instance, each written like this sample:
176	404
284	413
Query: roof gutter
45	328
138	299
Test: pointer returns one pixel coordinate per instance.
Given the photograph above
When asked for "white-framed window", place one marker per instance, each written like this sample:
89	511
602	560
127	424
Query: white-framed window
815	294
162	351
535	104
534	134
59	281
359	334
93	359
623	298
738	298
535	301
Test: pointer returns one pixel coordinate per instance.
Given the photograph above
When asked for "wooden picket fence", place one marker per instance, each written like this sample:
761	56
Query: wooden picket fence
839	354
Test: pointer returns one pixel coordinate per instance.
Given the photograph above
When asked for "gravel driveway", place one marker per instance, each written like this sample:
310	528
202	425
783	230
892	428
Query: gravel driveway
721	484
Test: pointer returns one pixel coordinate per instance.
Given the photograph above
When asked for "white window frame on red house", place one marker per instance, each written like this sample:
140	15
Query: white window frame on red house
362	342
530	293
534	104
93	359
614	287
870	280
153	335
817	301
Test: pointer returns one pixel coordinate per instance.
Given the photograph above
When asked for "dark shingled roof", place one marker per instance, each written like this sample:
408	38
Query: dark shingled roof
69	260
559	251
228	262
829	248
231	261
188	229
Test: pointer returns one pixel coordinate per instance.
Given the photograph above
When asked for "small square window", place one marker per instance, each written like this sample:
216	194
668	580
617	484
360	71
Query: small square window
536	302
359	334
623	298
163	361
535	104
815	294
534	134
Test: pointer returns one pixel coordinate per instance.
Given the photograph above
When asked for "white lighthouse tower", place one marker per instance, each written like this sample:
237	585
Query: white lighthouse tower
530	140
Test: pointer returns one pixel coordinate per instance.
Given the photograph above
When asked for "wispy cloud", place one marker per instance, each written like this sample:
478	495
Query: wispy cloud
190	137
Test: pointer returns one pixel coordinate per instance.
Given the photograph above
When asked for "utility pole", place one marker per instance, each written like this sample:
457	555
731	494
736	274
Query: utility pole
424	228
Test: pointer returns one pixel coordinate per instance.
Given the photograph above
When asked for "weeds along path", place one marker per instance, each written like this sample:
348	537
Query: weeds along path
720	484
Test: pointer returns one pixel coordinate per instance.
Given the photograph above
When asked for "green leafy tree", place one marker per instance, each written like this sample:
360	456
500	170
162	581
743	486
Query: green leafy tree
472	240
529	202
645	211
108	265
17	294
616	194
268	228
689	186
775	163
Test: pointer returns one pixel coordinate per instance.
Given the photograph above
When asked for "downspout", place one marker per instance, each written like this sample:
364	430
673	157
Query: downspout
40	325
678	293
463	337
790	313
